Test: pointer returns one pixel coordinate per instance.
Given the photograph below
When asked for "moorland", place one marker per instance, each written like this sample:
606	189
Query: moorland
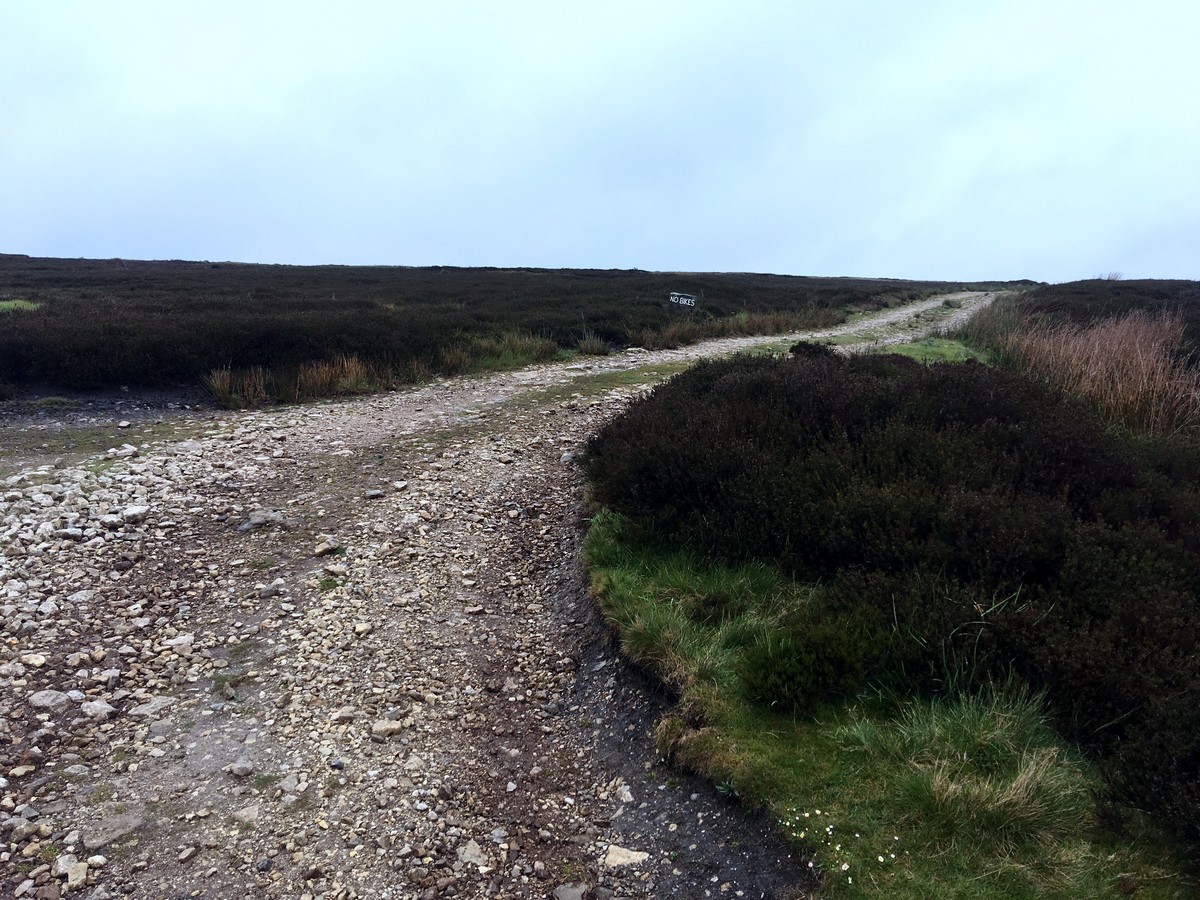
258	332
940	618
933	608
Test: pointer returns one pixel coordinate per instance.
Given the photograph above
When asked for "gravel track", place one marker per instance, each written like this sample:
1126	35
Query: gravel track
345	650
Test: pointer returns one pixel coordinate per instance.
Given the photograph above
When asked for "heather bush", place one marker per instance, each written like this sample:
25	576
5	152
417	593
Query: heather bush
965	524
90	323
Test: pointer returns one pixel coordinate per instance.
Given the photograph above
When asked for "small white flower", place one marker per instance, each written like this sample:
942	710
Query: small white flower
845	867
881	859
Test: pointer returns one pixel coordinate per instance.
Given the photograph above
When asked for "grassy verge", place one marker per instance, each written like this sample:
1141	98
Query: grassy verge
935	350
890	796
17	305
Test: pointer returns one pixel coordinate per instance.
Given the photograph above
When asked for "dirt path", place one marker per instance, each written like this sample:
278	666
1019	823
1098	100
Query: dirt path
344	650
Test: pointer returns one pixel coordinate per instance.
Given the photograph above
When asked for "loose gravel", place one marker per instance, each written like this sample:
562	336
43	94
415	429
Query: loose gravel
344	651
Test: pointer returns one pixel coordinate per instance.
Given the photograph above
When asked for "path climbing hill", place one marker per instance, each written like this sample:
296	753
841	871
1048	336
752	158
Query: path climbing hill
345	650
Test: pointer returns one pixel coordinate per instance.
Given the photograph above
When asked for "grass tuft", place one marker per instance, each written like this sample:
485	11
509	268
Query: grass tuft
1133	367
592	344
18	306
968	796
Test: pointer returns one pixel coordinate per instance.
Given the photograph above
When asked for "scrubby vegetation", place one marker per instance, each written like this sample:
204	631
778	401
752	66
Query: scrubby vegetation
1128	346
788	537
95	323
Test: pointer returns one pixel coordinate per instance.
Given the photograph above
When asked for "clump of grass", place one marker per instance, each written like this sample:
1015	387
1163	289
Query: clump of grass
316	379
1131	366
353	377
964	796
236	389
341	376
55	402
18	306
507	350
219	384
413	371
454	360
935	350
985	771
592	344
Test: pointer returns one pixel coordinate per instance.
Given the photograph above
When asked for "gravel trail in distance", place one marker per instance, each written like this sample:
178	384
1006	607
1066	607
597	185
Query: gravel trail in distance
345	650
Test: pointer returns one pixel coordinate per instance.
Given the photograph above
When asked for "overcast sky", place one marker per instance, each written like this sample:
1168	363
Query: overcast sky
965	139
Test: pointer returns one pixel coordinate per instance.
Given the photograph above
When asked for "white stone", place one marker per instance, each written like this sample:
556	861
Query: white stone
51	700
135	514
97	709
472	854
151	707
386	727
620	856
247	815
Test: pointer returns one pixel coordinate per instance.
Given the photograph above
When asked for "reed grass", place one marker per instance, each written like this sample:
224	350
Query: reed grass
1132	366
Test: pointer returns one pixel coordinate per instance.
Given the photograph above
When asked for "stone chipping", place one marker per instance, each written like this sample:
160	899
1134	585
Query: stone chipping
342	651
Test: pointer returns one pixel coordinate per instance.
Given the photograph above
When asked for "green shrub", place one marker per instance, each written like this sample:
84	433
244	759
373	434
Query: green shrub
964	796
965	523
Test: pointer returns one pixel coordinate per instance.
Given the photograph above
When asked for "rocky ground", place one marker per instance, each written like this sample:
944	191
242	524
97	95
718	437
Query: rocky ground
342	650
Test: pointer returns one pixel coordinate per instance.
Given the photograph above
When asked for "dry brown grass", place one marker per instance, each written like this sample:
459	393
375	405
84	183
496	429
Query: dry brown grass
219	384
591	344
454	360
238	388
234	389
1131	366
316	379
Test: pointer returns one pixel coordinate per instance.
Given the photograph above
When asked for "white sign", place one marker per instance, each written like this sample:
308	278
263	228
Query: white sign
683	299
